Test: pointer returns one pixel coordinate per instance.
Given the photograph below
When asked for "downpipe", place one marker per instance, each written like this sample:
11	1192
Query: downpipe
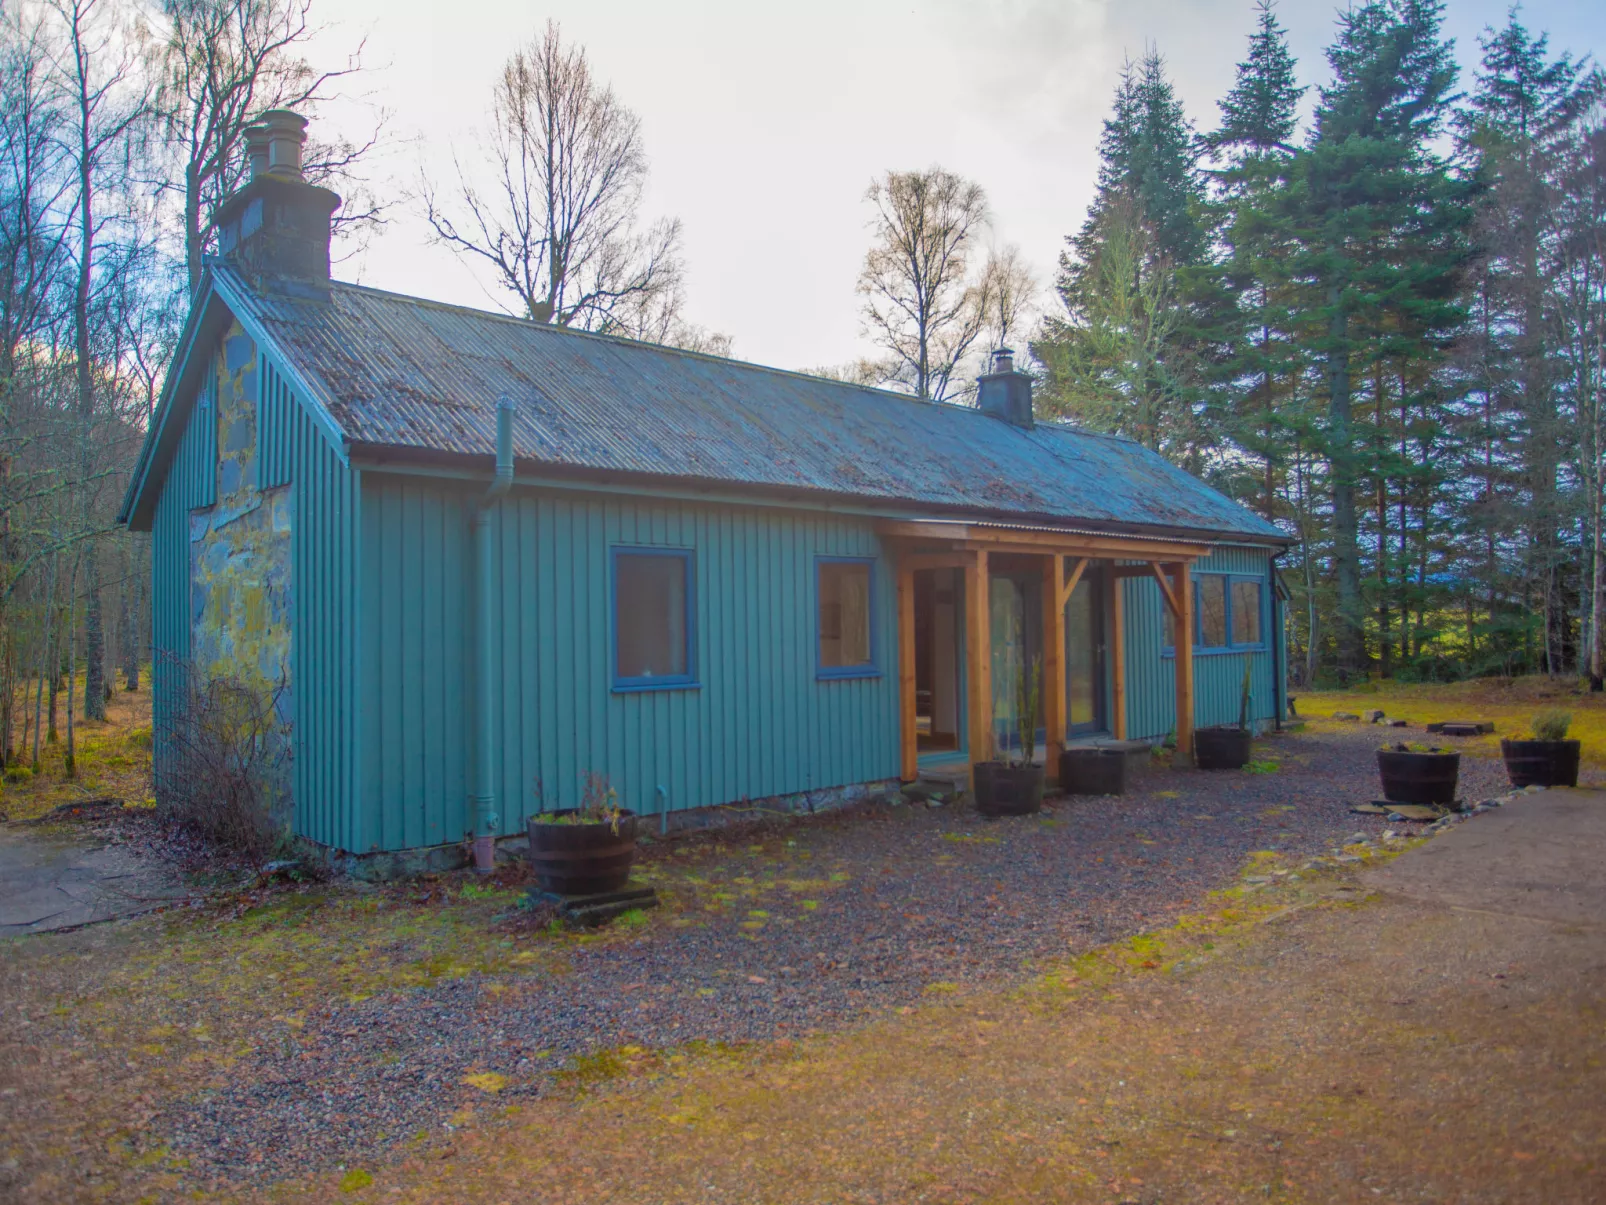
486	821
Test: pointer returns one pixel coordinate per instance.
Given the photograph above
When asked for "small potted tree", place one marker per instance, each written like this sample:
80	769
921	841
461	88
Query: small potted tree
1012	785
584	850
1419	774
1547	758
1226	746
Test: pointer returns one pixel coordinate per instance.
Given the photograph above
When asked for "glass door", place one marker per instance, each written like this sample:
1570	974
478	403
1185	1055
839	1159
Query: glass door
1084	656
1015	609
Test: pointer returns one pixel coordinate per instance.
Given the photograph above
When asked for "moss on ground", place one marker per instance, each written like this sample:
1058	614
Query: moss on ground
112	759
1512	703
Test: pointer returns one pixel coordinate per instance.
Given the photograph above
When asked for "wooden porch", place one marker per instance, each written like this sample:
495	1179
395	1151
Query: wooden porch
1064	557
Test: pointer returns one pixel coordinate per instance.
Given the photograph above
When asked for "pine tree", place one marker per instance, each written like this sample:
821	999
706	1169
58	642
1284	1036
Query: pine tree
1522	108
1259	359
1379	219
1124	358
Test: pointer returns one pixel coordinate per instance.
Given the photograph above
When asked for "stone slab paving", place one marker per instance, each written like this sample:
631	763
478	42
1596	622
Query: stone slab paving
54	879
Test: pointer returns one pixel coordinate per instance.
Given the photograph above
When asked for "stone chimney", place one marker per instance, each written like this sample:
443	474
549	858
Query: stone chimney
1004	393
277	226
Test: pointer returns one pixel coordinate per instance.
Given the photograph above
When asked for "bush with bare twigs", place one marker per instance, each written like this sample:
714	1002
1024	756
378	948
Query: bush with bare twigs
223	760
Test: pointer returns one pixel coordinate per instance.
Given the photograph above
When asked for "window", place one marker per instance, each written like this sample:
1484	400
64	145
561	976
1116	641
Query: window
653	645
1212	604
1226	615
1245	610
845	590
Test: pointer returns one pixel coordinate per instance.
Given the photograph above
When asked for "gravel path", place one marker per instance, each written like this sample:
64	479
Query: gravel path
803	928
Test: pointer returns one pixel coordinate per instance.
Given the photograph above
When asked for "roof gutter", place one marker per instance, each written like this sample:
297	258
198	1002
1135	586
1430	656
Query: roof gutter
713	490
482	804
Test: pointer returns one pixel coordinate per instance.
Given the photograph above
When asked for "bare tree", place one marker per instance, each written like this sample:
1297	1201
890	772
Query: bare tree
221	64
921	302
1008	297
107	98
658	317
557	222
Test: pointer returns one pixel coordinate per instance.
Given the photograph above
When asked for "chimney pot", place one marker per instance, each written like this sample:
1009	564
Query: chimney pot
1004	359
256	148
287	131
278	225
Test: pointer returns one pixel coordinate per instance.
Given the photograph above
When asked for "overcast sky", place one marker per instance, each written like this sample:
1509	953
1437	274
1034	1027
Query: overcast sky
765	122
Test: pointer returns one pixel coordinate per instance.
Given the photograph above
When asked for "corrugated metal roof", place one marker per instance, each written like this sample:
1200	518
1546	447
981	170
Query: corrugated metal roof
406	373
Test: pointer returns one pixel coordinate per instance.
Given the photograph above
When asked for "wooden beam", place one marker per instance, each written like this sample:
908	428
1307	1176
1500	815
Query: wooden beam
909	759
1184	641
1165	588
1095	546
1068	586
936	560
979	660
1053	693
1116	642
1010	539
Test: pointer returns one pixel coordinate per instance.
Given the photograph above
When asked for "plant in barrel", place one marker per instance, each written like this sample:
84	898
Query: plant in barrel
1545	758
586	849
1226	747
1012	784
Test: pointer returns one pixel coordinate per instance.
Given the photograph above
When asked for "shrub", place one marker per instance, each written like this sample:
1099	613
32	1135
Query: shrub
1552	725
223	763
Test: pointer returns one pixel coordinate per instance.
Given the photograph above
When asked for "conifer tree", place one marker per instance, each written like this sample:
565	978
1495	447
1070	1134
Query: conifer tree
1379	219
1124	357
1259	359
1522	108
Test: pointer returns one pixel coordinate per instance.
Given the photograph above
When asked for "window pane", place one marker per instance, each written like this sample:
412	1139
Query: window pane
1246	612
1212	611
844	615
650	606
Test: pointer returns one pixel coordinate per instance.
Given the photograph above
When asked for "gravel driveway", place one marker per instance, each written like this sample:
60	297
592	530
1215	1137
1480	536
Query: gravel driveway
806	926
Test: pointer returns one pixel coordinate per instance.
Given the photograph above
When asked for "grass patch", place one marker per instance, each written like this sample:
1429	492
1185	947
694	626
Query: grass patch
1511	703
113	758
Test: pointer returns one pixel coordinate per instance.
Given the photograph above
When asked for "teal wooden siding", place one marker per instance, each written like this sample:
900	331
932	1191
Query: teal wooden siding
291	449
323	648
1217	677
760	723
191	482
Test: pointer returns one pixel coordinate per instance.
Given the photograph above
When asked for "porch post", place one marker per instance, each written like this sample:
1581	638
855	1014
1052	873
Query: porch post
979	658
909	754
1113	590
1053	663
1184	631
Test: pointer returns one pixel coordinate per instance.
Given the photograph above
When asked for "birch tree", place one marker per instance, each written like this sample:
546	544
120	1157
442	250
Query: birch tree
554	209
922	291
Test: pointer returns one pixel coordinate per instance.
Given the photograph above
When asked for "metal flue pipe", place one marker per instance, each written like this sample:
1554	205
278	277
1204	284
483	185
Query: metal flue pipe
486	820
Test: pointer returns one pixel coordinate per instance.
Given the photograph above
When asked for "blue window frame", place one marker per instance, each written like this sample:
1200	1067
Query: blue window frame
654	619
845	610
1228	615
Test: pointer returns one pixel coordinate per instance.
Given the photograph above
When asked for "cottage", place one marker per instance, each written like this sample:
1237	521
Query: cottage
480	556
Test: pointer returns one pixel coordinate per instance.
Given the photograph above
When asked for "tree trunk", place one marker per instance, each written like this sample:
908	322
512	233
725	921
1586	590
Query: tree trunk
94	648
69	762
1346	551
44	661
127	624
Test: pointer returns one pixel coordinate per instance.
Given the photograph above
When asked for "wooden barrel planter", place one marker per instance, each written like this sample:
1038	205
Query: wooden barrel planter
1413	777
1005	790
1221	748
581	859
1093	771
1541	763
